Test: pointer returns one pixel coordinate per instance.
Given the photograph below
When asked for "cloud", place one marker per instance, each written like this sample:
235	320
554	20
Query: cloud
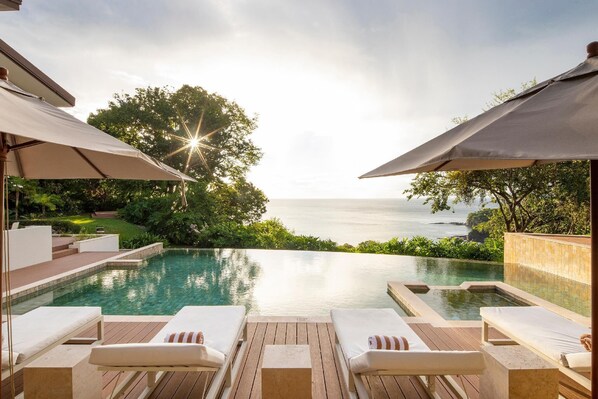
340	86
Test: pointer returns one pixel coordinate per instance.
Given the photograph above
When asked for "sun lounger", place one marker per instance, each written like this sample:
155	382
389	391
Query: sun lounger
223	327
44	328
354	326
553	337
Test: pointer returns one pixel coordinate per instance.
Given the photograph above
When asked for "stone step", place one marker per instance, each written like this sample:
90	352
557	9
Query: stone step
64	252
59	243
59	247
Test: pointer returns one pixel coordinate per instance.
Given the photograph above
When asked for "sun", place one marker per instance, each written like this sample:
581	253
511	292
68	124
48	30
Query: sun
194	143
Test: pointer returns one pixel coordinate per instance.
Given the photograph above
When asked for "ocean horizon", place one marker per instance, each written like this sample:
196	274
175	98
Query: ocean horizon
356	220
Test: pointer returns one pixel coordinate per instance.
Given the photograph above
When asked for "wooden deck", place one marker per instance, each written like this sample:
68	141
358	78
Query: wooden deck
326	373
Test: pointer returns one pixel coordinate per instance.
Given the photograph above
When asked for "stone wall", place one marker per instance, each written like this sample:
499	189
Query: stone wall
565	256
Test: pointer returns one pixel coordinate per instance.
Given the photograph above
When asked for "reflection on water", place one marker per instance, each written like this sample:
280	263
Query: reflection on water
459	304
567	293
165	285
293	283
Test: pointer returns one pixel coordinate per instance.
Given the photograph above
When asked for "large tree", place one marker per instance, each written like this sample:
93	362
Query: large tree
158	120
547	198
201	133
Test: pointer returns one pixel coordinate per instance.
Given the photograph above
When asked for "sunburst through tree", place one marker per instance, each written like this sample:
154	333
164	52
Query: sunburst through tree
194	142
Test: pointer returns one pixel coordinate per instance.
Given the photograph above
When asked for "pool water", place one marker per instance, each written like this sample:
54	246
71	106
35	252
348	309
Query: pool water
460	304
266	282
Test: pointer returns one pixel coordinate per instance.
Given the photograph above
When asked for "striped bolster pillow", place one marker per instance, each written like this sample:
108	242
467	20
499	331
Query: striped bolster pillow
185	338
388	343
586	341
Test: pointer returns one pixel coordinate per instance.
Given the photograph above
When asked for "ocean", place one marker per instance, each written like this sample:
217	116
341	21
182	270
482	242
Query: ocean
356	220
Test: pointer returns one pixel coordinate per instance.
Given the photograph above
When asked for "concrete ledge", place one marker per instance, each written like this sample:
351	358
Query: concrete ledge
404	294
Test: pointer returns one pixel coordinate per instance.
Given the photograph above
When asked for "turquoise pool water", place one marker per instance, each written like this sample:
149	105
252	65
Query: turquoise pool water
458	304
266	282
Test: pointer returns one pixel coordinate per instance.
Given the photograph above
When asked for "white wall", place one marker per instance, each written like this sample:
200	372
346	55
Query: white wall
105	243
29	246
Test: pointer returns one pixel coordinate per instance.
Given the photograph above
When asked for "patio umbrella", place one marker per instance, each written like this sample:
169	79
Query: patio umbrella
556	120
40	141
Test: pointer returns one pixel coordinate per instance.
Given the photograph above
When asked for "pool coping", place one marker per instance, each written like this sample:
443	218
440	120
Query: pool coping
251	318
402	292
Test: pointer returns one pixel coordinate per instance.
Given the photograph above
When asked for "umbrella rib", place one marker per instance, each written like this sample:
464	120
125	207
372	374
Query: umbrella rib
436	169
26	144
89	162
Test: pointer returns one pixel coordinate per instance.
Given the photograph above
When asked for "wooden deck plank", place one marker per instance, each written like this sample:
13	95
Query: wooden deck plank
331	377
291	336
247	377
281	334
301	333
410	387
332	338
316	361
256	389
392	388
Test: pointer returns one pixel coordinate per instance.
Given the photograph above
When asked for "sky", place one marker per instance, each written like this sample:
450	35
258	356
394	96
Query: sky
339	87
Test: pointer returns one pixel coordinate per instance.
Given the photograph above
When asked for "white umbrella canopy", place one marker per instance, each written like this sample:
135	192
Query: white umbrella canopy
556	120
44	142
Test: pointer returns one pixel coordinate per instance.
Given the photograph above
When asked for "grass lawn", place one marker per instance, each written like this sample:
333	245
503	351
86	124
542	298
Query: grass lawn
111	226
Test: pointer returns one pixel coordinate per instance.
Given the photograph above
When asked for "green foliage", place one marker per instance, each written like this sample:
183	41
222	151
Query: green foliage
272	234
58	226
454	248
142	240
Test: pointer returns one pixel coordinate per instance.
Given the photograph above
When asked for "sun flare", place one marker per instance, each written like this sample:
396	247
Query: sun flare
194	142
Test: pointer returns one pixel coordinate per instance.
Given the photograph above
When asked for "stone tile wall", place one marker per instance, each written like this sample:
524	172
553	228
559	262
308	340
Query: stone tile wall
549	253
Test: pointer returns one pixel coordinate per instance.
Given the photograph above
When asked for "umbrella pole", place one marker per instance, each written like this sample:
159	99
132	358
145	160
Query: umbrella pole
594	269
3	154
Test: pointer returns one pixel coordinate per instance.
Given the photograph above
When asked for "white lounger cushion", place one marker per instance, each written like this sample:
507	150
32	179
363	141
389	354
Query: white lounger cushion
547	332
156	354
354	326
42	327
219	324
419	363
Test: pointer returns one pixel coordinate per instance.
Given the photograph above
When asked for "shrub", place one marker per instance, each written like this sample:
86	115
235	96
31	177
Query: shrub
142	240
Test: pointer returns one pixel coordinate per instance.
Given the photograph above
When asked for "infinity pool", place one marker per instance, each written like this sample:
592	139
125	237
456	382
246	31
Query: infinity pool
290	283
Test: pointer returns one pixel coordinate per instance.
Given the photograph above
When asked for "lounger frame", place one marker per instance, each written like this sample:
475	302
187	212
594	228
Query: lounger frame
574	375
221	383
70	338
356	384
